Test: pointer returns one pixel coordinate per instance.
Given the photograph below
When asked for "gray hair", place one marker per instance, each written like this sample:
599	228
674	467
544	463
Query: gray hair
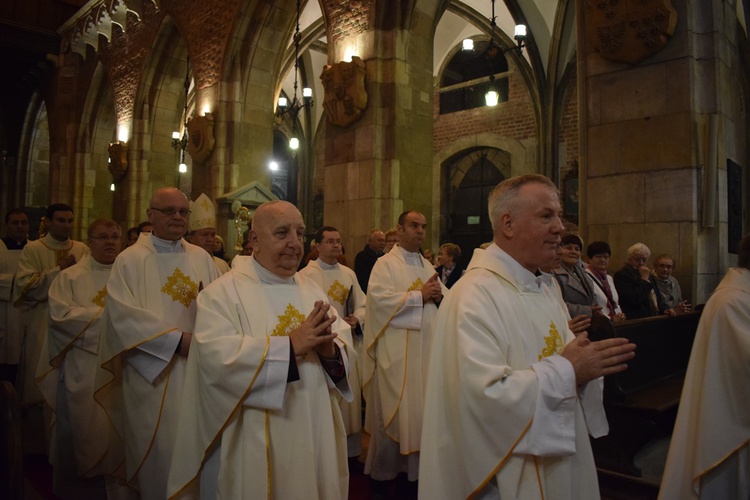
504	197
639	248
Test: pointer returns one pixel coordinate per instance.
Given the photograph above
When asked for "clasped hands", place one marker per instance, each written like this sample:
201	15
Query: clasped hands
315	333
431	290
592	360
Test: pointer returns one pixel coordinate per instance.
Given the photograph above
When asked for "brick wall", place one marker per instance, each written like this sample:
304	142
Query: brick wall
513	119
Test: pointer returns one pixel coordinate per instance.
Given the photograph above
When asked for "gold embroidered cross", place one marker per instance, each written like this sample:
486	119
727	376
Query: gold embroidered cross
338	292
99	297
417	285
290	320
181	288
554	342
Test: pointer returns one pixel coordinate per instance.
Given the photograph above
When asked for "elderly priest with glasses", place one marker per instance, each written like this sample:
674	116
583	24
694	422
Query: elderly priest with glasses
151	314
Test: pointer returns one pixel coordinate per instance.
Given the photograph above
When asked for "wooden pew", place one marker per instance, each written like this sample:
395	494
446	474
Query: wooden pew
641	402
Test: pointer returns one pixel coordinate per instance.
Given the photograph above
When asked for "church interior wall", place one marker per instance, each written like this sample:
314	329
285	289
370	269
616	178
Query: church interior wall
642	175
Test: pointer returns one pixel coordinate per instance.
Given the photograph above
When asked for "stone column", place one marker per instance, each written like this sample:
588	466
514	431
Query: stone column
642	179
382	165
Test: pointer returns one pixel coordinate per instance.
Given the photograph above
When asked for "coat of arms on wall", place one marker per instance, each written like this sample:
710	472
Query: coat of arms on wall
201	139
629	30
345	95
118	161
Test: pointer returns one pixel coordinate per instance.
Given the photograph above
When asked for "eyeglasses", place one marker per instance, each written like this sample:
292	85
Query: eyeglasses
170	212
106	238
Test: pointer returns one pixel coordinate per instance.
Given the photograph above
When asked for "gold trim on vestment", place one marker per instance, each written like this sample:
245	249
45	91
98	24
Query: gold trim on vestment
31	284
538	476
57	361
400	396
229	418
269	475
158	422
374	343
501	464
695	481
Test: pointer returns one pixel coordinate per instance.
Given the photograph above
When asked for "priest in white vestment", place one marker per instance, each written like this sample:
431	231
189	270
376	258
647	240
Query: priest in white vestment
709	456
512	395
203	229
260	415
151	316
83	443
345	295
401	305
40	263
17	230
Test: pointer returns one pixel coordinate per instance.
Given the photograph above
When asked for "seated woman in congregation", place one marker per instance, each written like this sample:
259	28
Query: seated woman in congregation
578	289
598	253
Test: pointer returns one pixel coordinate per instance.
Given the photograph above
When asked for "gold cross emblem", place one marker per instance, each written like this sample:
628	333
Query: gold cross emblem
554	343
288	322
338	292
181	288
417	285
99	297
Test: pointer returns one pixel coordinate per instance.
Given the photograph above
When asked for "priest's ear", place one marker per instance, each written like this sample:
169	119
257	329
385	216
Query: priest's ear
252	237
505	225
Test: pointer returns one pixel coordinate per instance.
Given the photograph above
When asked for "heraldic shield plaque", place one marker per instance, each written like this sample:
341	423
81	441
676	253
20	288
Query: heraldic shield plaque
629	30
201	139
345	96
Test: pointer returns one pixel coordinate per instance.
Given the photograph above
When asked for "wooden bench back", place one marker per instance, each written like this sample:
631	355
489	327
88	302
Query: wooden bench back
663	351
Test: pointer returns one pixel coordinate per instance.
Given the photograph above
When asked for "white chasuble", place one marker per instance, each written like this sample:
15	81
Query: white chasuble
709	456
273	438
81	430
10	316
346	297
503	415
150	302
38	266
395	359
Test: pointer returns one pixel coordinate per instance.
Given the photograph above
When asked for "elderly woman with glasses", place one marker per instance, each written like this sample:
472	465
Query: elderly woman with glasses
598	253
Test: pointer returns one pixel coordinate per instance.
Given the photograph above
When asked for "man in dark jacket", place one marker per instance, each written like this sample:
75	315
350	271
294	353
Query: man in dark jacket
365	259
639	294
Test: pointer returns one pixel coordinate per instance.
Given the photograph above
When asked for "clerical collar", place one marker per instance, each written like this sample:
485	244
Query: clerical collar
519	273
327	267
167	246
96	265
12	244
411	258
54	244
269	278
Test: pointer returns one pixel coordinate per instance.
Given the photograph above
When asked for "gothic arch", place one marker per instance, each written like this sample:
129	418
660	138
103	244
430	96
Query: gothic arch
96	131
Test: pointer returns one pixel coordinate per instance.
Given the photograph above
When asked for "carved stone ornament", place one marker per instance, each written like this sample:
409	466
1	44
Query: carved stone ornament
629	30
201	139
118	160
345	95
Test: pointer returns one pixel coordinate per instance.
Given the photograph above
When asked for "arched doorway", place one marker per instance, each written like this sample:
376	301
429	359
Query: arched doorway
470	176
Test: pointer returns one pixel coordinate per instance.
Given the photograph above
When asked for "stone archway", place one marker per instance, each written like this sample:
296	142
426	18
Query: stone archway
468	178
